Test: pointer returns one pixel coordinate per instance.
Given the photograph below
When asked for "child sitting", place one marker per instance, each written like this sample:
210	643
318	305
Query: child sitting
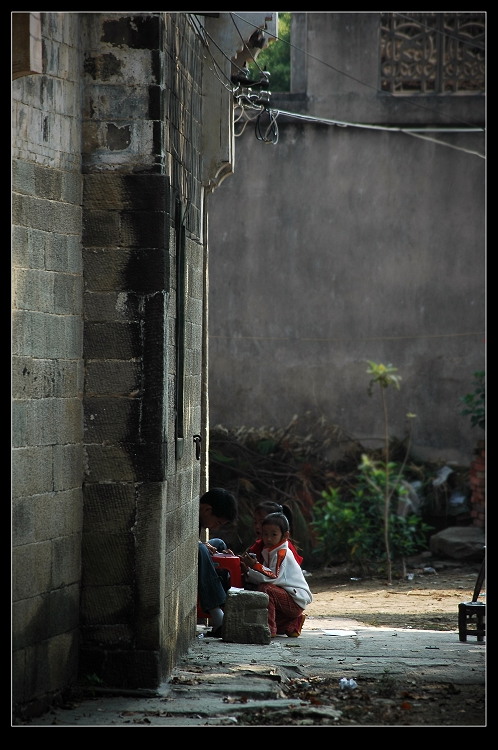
260	512
280	576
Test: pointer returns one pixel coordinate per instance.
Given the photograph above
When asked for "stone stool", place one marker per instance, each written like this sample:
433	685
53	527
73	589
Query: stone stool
246	617
471	615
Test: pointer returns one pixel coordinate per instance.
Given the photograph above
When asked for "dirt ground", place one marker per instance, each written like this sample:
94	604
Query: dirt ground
427	602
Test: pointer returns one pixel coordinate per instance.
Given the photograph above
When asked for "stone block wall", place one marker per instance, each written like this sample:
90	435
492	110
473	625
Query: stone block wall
47	365
104	506
142	338
112	160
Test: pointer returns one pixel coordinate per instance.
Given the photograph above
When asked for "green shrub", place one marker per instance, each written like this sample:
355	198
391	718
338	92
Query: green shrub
475	403
351	528
276	57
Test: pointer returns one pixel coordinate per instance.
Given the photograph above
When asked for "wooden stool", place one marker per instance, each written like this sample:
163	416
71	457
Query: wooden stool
471	615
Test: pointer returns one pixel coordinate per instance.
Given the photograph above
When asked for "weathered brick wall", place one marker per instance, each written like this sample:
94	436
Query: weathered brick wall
104	502
47	370
112	160
140	198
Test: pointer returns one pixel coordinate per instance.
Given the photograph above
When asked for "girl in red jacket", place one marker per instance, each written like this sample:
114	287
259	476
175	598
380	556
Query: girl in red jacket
260	512
280	577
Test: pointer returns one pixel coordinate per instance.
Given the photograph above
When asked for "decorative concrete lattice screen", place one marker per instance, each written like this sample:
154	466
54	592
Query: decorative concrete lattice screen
432	53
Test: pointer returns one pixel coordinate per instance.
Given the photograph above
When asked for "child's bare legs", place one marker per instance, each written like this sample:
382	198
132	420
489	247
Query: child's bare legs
282	609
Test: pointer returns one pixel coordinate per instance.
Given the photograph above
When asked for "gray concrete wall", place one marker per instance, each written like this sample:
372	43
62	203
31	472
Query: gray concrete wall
350	244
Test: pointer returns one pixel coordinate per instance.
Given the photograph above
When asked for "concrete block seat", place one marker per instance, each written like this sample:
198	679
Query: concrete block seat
246	617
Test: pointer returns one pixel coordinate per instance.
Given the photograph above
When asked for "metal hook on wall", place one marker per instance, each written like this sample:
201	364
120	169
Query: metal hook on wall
197	441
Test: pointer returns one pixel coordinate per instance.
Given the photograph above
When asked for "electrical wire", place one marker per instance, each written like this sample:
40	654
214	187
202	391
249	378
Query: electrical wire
444	143
238	133
270	133
204	37
244	114
245	45
243	100
412	102
417	132
232	62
